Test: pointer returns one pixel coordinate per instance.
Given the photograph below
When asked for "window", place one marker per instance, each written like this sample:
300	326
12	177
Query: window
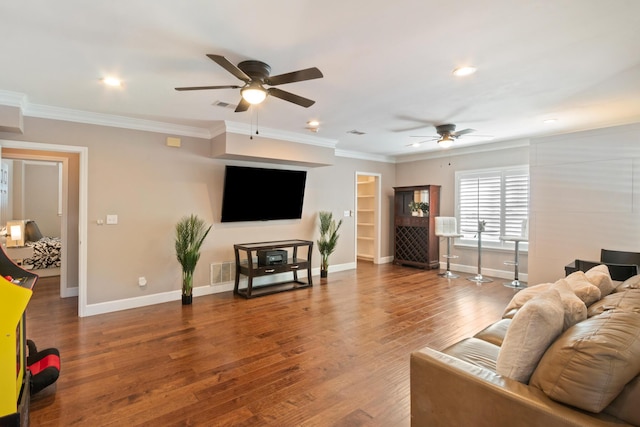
500	197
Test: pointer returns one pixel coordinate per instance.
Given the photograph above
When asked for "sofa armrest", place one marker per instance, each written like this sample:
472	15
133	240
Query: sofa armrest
446	391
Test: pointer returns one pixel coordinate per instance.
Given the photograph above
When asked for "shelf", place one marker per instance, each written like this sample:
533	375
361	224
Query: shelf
365	238
366	196
366	224
251	270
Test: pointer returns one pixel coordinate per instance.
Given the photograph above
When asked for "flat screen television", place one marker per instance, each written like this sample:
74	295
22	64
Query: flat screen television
259	194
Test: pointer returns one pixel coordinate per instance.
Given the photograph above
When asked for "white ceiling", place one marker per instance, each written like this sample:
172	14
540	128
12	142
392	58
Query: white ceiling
387	65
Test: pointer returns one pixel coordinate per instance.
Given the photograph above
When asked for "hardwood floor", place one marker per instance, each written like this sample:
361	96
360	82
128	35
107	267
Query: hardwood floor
336	354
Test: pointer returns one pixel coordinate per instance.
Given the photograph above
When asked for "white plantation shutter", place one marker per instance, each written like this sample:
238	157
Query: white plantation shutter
516	201
499	197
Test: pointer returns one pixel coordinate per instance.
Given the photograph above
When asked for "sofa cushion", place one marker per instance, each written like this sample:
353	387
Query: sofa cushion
625	406
532	330
495	332
522	297
600	277
583	288
622	301
575	309
590	363
475	351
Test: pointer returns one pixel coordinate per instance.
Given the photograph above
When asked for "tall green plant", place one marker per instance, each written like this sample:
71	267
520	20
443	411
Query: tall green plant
190	234
328	237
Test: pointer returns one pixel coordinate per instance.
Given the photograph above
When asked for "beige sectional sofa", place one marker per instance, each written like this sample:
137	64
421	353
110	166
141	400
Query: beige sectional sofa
564	354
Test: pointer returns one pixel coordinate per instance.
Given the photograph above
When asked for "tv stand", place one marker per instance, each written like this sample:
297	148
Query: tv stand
250	268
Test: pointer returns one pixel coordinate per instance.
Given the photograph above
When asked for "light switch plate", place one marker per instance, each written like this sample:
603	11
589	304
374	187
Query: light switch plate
112	219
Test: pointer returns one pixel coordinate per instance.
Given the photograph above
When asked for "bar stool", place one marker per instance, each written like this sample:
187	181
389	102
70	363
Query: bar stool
523	237
447	226
479	278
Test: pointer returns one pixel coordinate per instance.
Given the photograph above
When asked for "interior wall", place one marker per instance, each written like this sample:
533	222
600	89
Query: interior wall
441	171
150	186
41	193
585	196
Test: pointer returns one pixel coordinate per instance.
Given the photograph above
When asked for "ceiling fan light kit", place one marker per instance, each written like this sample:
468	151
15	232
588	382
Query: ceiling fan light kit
253	93
255	74
446	141
447	135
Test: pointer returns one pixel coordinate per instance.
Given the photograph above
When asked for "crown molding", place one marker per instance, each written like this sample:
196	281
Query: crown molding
245	129
100	119
13	99
479	148
365	156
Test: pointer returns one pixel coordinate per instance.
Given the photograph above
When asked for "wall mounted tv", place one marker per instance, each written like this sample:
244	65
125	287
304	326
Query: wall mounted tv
258	194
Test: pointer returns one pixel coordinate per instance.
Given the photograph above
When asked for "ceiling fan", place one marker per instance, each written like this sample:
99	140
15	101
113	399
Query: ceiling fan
447	134
255	74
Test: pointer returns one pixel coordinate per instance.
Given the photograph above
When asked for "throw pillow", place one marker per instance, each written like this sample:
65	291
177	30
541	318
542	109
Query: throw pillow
600	277
583	288
574	309
523	296
532	330
589	364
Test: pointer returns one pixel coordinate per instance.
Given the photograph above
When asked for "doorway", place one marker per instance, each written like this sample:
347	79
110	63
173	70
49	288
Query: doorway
368	217
73	192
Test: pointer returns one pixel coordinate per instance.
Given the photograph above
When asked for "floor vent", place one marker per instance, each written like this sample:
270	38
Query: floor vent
222	273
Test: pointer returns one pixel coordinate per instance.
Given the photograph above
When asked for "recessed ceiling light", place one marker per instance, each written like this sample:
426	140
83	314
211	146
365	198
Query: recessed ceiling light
548	121
112	81
464	71
313	123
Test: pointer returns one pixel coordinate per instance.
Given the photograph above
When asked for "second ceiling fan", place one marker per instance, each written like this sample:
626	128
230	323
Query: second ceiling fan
255	75
447	134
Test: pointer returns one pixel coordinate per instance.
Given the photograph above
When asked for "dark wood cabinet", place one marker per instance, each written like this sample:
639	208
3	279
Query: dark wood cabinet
252	266
415	242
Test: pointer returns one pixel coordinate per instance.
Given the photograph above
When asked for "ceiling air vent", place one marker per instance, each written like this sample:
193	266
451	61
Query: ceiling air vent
355	132
223	104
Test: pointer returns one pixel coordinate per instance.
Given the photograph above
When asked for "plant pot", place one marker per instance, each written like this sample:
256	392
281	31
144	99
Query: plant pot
187	299
324	273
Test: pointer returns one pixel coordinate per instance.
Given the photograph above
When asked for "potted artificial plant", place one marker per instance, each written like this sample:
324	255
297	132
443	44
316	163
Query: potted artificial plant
419	208
190	233
328	239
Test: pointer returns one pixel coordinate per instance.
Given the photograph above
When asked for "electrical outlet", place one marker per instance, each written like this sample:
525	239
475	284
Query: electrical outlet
112	219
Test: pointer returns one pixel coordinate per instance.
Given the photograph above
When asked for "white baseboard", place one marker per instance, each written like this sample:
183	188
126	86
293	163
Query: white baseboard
142	301
502	274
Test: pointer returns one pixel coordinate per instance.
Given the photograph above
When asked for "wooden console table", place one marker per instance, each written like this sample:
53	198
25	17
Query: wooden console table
250	268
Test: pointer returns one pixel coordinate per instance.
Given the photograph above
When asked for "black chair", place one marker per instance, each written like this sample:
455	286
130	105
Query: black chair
619	257
618	272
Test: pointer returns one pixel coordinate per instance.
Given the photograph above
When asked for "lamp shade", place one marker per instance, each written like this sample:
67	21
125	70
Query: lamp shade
253	93
446	141
15	236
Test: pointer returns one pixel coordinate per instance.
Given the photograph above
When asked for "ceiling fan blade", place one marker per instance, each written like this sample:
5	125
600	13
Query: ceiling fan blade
295	76
462	132
208	87
242	106
224	63
288	96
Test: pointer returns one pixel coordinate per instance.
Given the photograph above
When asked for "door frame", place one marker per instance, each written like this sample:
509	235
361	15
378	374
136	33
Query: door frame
83	153
377	214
